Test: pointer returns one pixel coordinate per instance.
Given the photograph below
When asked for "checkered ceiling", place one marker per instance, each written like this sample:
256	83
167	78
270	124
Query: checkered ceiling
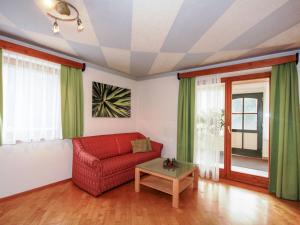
143	37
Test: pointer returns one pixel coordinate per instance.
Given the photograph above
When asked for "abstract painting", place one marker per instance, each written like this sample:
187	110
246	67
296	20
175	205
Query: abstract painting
110	101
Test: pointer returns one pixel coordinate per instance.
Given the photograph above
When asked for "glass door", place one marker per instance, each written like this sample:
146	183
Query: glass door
247	129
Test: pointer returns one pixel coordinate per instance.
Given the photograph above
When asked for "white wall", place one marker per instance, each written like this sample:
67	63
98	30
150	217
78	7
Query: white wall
157	111
27	166
94	126
30	165
154	113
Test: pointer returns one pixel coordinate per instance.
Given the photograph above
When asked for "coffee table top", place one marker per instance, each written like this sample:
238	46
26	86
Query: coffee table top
156	166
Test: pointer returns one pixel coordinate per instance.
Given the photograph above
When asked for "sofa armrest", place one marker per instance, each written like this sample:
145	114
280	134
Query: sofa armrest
89	159
84	156
156	146
86	169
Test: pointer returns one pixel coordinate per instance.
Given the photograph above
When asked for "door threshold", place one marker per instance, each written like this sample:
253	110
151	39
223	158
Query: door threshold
251	187
259	173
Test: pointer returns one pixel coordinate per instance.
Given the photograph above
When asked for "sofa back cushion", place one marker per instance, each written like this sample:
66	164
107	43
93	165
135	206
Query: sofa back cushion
106	146
124	141
102	146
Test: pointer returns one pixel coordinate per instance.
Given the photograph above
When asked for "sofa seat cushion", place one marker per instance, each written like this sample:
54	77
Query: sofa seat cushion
141	157
118	163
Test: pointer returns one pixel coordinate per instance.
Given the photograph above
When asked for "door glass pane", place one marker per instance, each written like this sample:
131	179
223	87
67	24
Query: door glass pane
250	141
237	141
237	121
250	105
250	121
237	105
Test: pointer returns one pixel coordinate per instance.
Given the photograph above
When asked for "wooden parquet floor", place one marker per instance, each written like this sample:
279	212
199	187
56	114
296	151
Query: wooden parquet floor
213	203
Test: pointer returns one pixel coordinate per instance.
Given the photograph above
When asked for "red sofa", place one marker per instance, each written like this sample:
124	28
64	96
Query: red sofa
106	161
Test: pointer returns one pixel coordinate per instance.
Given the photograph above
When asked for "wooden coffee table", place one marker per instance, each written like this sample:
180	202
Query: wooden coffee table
171	181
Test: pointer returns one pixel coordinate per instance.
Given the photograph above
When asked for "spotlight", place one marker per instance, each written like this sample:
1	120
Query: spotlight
55	27
80	26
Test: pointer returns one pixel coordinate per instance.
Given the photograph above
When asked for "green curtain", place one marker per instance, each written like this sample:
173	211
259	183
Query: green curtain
186	119
71	102
1	97
285	132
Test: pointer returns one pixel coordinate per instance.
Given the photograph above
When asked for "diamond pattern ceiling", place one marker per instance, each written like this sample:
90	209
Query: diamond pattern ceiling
143	37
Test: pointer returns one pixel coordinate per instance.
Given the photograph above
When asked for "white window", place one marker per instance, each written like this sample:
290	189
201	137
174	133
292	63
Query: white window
31	99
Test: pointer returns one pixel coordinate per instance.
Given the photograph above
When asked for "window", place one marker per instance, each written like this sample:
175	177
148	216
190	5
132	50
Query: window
31	99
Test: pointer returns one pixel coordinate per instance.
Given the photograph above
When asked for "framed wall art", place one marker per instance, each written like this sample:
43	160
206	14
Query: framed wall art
110	101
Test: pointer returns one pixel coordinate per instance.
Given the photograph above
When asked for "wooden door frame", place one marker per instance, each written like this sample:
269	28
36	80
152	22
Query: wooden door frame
226	172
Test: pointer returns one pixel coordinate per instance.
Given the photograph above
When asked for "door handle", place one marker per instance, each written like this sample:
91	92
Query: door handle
229	129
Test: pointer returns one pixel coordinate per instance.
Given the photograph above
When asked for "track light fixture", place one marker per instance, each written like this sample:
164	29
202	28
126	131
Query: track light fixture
61	10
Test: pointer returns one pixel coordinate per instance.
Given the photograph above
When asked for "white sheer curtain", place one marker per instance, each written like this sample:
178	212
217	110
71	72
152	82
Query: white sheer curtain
31	99
209	133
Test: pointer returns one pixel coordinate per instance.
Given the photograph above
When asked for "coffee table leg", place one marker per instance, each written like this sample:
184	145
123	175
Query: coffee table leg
175	196
137	180
196	178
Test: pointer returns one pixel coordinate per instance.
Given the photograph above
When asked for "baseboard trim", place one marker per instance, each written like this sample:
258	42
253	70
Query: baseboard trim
33	190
